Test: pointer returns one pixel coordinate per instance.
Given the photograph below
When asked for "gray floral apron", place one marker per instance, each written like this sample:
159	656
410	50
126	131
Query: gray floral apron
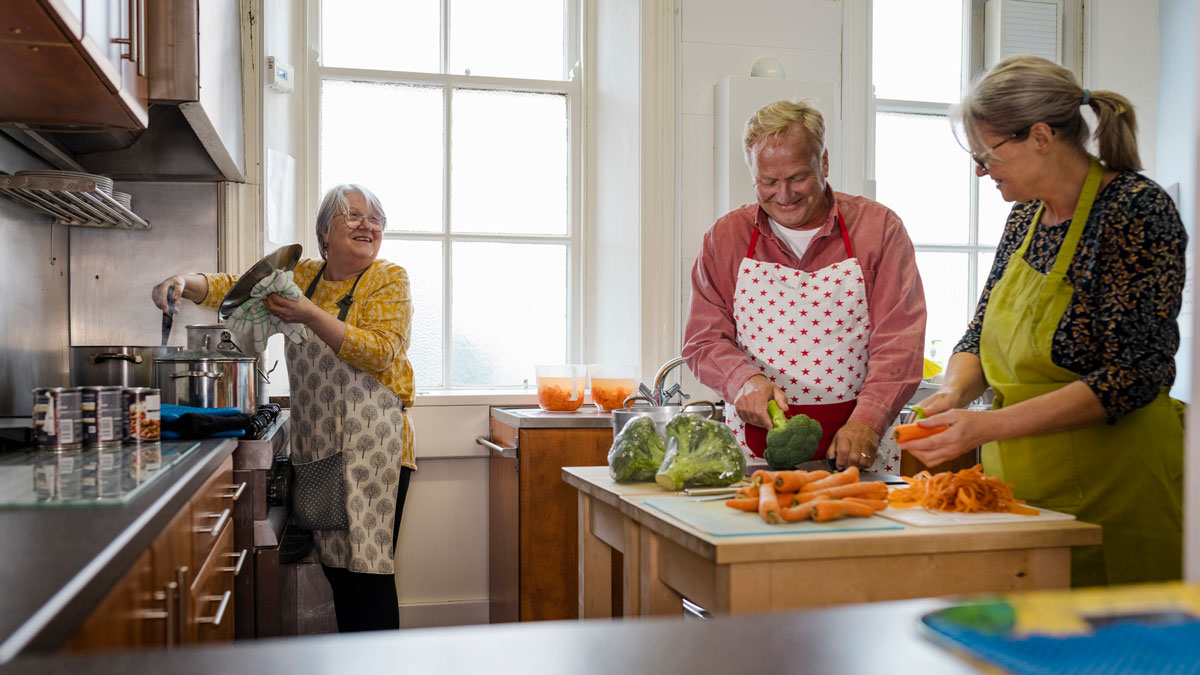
339	408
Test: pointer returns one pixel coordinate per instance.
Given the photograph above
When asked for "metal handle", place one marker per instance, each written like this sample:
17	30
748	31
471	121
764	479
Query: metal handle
631	399
169	597
116	356
141	38
237	491
712	412
198	373
182	608
222	518
506	453
216	618
237	568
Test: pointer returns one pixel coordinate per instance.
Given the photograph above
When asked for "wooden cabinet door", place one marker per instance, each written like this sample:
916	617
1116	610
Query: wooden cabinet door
504	560
121	620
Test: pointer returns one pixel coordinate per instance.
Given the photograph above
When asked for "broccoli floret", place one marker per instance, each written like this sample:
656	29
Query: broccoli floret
636	452
700	452
792	441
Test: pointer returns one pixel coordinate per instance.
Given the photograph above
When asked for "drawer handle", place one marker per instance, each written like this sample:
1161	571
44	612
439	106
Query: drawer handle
222	518
237	568
216	618
506	453
169	597
237	491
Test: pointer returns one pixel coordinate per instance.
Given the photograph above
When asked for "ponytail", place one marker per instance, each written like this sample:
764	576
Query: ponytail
1116	130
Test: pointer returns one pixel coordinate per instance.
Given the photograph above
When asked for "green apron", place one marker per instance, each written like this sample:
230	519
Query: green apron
1126	477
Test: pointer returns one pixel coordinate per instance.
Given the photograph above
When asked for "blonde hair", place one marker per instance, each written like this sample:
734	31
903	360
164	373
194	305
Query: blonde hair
783	117
1023	90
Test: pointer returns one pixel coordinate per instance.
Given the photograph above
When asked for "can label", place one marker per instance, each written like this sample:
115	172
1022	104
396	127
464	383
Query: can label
57	417
143	419
102	415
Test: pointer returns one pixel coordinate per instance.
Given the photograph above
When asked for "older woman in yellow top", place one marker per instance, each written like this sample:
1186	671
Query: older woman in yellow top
351	387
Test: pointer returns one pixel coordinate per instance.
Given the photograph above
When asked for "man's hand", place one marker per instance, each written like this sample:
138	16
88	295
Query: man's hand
855	444
751	401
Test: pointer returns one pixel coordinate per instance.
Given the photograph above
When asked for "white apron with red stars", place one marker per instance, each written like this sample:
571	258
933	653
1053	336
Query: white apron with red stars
808	332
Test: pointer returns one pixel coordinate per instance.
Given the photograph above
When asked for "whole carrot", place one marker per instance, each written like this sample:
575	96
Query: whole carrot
762	476
748	491
792	481
786	499
743	504
853	508
877	504
768	505
850	475
911	432
801	511
869	489
826	510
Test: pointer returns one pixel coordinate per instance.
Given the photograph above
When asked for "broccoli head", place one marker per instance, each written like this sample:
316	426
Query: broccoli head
792	441
636	452
700	453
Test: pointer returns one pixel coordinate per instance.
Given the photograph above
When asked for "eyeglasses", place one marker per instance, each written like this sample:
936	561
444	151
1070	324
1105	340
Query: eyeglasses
980	163
355	219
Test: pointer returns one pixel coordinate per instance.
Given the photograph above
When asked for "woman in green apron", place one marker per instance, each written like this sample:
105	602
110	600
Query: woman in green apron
1075	331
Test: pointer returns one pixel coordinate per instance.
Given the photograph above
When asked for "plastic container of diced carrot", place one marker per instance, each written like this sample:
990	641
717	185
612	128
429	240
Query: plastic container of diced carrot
560	388
611	384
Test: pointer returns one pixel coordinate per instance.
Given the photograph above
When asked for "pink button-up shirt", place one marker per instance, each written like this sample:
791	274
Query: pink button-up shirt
895	300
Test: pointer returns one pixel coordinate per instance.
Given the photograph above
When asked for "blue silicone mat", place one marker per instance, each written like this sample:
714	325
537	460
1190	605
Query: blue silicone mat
713	517
1118	649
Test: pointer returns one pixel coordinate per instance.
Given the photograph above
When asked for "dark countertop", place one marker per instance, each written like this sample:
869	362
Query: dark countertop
57	563
872	638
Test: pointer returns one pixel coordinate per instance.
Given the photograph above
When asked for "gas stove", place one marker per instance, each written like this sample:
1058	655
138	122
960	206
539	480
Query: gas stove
262	420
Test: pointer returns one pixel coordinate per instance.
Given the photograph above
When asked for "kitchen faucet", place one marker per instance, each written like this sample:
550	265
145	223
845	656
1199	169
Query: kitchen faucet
661	397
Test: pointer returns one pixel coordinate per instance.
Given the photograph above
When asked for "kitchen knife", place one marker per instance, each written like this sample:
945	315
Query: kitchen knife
168	316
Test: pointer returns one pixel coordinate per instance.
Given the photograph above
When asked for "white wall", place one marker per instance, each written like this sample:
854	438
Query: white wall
717	39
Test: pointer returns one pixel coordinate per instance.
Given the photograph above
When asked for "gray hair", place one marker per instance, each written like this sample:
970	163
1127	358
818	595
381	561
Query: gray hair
783	117
1023	90
335	203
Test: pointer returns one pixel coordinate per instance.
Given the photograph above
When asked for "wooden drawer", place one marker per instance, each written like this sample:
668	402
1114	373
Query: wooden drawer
212	512
211	609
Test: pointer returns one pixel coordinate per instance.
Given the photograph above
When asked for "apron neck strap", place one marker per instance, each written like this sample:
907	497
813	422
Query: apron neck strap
347	299
837	219
1083	207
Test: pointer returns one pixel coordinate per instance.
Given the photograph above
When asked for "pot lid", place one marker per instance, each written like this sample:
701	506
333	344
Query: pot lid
204	355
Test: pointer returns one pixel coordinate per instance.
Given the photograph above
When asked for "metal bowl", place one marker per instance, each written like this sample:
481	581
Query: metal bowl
284	258
661	414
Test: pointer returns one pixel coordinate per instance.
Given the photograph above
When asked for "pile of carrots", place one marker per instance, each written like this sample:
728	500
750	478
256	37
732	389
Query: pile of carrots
966	491
791	496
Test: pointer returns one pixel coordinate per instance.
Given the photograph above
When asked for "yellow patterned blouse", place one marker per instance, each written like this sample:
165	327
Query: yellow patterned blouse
378	327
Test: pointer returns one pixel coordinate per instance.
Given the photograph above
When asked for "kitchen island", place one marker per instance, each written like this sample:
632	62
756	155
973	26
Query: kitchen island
59	562
666	560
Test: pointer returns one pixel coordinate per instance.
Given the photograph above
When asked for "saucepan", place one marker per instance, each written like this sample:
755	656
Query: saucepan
660	414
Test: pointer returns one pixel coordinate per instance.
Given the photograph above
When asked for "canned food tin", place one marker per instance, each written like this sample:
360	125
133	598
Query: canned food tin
57	417
102	414
142	415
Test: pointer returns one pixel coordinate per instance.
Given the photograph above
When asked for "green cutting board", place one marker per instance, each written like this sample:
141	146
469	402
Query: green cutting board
713	517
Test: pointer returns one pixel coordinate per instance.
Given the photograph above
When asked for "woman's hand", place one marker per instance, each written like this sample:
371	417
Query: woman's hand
966	430
191	286
751	401
301	310
939	402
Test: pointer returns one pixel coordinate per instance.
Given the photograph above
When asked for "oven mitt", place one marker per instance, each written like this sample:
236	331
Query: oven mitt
252	317
181	421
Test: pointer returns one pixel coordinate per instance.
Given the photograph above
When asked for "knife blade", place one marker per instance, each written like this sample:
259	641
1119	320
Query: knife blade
168	316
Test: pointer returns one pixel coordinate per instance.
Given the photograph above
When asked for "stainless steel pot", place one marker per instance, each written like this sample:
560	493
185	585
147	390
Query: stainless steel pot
123	366
207	379
661	414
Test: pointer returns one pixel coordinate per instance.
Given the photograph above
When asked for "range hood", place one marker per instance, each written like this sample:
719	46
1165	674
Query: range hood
195	127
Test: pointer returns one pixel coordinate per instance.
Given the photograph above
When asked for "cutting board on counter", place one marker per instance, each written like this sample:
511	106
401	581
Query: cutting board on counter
713	517
923	518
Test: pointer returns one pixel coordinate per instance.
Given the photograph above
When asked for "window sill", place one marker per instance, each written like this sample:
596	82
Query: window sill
497	397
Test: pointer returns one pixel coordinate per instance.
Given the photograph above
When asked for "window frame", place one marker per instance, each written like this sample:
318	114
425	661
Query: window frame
571	87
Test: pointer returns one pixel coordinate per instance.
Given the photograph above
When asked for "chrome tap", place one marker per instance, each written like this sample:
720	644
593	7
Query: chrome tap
660	378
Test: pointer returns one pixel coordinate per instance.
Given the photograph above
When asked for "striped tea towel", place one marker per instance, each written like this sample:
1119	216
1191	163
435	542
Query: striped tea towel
252	317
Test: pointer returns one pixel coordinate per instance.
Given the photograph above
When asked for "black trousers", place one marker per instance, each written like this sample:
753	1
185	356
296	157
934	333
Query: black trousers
368	601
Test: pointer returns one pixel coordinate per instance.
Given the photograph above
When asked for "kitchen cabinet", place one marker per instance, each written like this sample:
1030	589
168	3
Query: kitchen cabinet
75	64
180	590
533	536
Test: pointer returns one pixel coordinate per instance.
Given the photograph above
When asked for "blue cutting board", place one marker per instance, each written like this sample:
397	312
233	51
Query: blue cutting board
713	517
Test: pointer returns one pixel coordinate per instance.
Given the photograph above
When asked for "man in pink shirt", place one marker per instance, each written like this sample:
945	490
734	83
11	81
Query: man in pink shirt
810	297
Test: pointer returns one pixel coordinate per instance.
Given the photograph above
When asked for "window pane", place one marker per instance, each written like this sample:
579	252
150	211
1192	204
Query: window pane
993	212
423	261
920	173
381	34
509	311
363	141
508	163
916	54
507	39
944	277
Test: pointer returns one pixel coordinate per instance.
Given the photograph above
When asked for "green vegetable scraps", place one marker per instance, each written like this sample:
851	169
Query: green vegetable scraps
792	441
700	453
636	452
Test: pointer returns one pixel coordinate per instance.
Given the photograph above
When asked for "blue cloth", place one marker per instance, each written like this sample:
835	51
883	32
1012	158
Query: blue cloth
236	433
171	415
170	412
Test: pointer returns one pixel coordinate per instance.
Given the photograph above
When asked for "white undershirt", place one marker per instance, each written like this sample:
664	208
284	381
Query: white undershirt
797	240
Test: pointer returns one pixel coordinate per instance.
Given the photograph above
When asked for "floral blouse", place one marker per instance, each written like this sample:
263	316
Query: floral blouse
378	327
1119	332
